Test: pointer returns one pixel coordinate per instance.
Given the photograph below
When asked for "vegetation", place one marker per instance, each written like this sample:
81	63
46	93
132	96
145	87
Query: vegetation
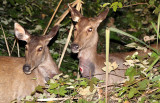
136	17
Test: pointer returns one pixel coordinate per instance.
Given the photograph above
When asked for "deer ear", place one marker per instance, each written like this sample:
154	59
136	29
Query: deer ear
102	15
20	33
51	34
75	14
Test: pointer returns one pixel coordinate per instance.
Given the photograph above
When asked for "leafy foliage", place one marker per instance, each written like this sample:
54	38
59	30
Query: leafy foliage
133	16
65	87
141	85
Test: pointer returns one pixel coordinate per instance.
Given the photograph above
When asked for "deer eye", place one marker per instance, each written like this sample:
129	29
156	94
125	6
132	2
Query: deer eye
90	29
40	48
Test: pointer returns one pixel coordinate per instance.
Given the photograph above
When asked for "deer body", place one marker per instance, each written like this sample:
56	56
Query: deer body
20	76
85	44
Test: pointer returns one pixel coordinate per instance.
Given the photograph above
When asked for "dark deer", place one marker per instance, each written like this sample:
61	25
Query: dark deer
20	76
85	44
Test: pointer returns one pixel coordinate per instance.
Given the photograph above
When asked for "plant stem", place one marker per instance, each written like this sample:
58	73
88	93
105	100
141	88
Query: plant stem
107	58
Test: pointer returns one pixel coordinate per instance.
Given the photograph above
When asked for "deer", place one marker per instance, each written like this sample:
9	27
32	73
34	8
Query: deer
20	75
85	44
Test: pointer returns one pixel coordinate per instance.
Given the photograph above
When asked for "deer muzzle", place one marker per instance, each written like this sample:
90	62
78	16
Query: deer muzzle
27	69
75	48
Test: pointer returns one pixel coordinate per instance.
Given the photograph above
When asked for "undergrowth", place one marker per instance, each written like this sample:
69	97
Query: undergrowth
142	85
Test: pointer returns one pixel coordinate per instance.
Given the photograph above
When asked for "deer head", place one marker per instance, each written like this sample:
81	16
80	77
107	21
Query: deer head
85	33
36	48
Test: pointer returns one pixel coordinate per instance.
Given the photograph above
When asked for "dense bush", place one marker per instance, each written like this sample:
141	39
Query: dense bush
133	16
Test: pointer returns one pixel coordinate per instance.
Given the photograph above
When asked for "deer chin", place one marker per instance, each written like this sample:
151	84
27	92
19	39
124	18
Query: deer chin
75	50
30	71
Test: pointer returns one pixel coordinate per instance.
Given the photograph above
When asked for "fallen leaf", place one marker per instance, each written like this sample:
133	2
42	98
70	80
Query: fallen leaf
86	91
131	45
112	66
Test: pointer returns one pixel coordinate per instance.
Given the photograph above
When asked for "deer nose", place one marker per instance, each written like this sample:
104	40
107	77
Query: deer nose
74	46
26	68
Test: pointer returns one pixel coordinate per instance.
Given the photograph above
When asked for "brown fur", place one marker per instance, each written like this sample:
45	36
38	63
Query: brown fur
15	81
85	44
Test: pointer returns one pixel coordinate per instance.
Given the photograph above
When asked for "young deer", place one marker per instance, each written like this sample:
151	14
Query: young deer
20	76
85	44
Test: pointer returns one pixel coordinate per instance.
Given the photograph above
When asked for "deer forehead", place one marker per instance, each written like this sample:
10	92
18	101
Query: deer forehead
36	42
85	23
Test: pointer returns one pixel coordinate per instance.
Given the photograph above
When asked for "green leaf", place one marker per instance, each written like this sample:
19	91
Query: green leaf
39	89
142	100
131	72
91	86
12	2
151	2
28	10
132	92
123	90
156	78
102	101
62	91
105	4
83	83
74	93
157	10
20	1
53	85
115	5
120	4
114	8
68	101
82	101
50	91
143	84
94	80
154	26
154	54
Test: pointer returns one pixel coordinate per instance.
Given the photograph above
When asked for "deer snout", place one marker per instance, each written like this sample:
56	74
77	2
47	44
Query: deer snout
27	69
75	48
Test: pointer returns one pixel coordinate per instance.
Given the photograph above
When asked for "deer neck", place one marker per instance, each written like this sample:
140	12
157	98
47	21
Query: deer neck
89	53
48	67
87	61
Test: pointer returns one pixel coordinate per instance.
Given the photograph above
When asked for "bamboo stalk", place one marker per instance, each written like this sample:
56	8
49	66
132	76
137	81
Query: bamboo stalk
66	45
52	18
158	25
107	58
9	53
60	19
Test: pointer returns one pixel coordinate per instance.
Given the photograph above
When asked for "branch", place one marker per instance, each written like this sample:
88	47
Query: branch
79	5
52	18
6	41
51	99
136	4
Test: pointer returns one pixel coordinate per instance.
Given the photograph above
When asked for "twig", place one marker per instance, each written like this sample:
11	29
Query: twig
6	41
65	47
135	4
59	20
13	46
51	99
52	18
151	91
69	36
18	49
